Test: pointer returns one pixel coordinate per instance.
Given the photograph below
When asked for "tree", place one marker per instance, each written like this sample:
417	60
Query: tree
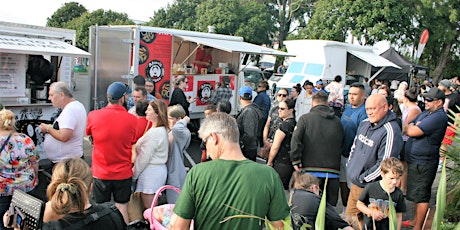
66	13
99	17
180	15
441	18
369	21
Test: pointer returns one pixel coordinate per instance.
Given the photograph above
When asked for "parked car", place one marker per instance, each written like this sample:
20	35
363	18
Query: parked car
253	75
266	65
268	73
272	82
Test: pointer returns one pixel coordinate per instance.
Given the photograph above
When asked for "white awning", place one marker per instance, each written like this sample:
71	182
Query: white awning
235	46
373	59
37	46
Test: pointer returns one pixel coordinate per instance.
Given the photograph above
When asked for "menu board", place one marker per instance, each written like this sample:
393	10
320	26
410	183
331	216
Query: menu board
12	75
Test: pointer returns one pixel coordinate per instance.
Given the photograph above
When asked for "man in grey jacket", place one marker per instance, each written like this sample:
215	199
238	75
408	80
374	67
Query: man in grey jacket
377	138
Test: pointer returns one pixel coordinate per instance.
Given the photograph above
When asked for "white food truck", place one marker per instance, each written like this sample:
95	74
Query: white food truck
31	58
121	52
322	59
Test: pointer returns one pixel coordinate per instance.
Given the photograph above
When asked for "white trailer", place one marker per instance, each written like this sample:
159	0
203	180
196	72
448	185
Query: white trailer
23	89
121	52
322	59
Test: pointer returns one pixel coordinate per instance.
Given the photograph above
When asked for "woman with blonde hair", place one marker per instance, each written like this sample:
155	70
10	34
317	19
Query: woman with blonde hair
18	161
150	171
179	140
69	200
304	200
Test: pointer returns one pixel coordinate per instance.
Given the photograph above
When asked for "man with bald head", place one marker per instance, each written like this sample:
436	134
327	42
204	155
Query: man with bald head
377	138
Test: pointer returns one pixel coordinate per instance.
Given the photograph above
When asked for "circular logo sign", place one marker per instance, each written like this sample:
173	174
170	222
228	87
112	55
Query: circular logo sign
205	92
148	37
155	70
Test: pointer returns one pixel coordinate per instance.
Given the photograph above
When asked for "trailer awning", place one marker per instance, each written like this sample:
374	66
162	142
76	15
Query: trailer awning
235	46
373	59
38	46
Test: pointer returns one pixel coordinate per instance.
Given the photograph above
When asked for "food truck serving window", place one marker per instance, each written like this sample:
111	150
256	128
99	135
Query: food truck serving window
23	45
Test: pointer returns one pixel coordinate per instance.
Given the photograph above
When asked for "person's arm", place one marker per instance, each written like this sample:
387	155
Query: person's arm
279	224
399	215
266	129
144	152
277	140
181	223
413	130
413	113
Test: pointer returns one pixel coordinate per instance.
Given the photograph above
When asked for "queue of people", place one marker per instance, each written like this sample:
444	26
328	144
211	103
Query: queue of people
364	149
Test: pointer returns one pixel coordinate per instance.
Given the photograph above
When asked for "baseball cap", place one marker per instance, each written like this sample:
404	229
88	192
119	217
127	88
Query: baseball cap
246	93
446	83
434	93
319	82
118	89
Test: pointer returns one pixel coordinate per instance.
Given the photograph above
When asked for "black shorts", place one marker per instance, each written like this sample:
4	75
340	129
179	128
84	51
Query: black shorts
103	190
419	181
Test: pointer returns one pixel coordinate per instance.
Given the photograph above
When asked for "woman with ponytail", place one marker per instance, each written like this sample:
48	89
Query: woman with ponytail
69	203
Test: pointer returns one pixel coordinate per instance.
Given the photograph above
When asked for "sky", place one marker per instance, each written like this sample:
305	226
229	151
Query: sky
35	12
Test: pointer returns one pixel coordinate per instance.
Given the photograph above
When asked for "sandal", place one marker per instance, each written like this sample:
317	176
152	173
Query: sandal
407	224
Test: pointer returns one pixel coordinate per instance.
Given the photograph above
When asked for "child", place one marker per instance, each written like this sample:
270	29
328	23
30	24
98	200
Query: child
373	202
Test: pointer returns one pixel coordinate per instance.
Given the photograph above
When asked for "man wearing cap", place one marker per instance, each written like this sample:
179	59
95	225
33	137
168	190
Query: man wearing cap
422	153
303	102
249	123
223	92
113	135
319	87
377	138
451	102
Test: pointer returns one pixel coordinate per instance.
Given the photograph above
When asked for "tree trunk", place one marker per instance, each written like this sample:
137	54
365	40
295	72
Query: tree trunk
442	61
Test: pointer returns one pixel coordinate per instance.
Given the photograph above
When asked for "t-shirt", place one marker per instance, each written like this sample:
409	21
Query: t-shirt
113	131
425	149
113	220
376	198
73	117
216	189
287	127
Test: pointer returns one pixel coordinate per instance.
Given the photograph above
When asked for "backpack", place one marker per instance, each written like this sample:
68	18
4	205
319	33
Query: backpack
261	120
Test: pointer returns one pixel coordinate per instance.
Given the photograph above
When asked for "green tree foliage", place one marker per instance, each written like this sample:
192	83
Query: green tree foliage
369	21
65	14
441	18
179	15
99	17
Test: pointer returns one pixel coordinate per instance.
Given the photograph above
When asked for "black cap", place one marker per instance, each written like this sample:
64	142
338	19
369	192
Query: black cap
434	93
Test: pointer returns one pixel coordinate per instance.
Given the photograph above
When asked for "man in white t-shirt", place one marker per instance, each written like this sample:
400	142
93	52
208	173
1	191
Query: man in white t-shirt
64	138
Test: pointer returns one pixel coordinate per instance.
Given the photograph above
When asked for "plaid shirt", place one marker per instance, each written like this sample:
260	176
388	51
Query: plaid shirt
222	93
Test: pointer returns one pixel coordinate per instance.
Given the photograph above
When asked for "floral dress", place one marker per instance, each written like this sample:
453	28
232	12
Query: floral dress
16	160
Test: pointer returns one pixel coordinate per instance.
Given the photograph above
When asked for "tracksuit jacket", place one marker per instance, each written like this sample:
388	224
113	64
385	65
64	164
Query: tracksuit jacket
372	144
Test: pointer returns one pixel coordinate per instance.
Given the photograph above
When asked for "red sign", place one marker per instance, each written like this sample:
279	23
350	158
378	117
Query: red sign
205	90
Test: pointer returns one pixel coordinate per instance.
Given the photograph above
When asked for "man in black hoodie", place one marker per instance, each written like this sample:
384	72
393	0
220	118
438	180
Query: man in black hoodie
377	138
316	145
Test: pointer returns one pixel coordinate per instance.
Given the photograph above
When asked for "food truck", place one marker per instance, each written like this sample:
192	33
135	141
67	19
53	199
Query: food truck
31	58
322	59
121	52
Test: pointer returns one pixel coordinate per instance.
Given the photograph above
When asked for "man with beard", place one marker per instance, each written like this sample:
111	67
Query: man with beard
113	135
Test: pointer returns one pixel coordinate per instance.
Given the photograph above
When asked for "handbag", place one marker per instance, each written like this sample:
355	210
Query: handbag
135	207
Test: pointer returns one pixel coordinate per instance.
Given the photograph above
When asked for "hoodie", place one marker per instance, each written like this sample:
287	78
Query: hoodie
373	144
317	141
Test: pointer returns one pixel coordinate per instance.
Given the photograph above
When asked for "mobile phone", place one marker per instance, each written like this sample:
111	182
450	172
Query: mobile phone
20	218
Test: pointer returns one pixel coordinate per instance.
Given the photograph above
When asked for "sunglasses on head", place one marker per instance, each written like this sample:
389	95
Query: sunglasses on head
282	95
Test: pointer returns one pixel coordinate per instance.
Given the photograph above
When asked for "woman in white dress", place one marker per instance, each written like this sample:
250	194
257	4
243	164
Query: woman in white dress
149	169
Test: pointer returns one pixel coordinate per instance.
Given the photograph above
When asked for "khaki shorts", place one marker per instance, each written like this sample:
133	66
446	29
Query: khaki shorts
355	192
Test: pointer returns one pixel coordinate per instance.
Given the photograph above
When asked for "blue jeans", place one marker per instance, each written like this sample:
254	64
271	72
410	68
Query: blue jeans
4	206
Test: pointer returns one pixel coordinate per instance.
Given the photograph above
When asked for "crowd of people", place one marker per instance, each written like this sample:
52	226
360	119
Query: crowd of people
378	140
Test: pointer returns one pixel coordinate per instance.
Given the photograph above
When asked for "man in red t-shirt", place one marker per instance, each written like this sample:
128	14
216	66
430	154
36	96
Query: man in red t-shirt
203	58
113	134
